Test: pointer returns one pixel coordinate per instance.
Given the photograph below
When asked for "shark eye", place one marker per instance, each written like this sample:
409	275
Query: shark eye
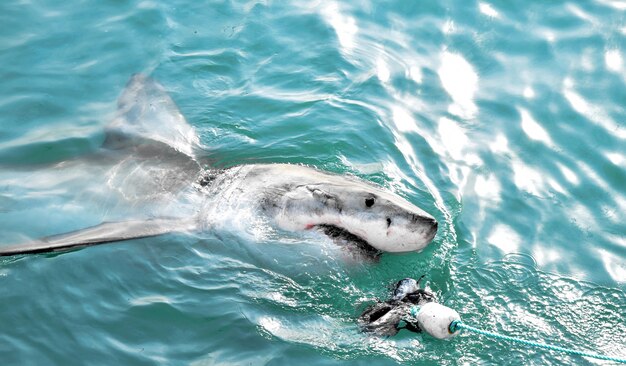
369	201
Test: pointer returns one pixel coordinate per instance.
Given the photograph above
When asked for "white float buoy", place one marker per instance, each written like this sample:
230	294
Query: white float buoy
435	319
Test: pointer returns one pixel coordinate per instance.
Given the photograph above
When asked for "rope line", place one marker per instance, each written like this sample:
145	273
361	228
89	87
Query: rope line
458	325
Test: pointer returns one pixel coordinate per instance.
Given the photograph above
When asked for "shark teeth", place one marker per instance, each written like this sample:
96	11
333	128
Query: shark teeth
346	239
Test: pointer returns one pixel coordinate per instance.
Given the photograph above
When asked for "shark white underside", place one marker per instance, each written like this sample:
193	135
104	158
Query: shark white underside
149	165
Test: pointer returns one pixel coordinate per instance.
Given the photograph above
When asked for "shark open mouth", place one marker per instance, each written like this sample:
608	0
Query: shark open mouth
346	239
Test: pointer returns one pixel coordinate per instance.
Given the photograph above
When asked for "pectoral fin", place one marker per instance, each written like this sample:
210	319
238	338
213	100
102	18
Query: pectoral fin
107	232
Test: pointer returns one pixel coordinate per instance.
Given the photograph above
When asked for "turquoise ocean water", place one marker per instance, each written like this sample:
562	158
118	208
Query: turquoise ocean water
505	120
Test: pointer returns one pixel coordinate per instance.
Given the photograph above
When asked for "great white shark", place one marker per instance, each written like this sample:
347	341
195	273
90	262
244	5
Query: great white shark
149	160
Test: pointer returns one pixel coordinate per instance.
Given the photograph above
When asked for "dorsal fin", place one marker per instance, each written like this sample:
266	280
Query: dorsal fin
147	112
152	140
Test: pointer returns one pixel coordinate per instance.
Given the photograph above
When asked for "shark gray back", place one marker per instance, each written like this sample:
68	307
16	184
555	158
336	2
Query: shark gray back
145	171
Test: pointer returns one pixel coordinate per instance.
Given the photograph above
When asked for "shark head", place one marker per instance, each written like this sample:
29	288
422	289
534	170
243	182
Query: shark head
346	206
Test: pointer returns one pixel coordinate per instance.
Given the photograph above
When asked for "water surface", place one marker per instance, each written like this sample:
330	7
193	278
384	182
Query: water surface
504	120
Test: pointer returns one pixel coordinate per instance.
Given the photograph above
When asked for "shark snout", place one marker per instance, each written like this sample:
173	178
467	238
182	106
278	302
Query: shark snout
433	229
425	224
423	220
